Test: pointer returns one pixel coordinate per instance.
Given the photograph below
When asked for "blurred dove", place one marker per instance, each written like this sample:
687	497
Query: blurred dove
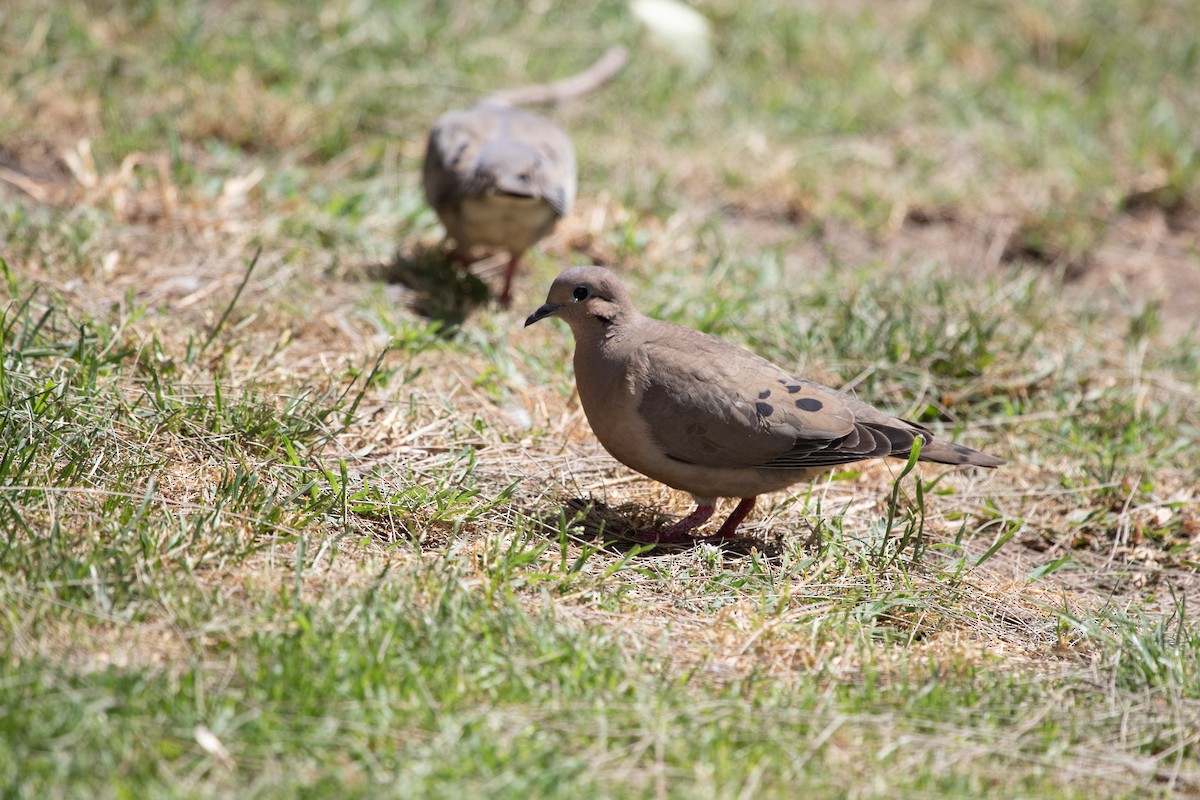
500	176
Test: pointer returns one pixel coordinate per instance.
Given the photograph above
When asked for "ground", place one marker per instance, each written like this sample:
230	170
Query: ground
290	506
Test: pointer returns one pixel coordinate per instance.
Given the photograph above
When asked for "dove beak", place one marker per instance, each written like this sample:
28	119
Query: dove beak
547	310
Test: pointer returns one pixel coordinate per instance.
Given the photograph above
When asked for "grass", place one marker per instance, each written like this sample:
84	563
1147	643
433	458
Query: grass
265	529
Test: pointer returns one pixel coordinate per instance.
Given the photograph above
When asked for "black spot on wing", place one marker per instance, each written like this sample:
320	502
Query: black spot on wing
792	389
764	409
764	394
809	403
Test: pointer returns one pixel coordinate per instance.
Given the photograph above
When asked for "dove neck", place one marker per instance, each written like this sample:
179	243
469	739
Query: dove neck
598	331
599	367
597	349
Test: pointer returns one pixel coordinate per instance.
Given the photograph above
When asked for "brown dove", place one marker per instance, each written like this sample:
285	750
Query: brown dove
502	177
710	418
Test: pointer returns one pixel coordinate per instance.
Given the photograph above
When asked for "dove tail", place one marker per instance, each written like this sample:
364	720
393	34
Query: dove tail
950	453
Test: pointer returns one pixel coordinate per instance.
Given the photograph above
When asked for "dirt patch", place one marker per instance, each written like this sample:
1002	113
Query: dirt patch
1149	255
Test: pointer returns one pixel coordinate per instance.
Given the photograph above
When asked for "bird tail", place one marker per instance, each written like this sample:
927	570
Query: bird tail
950	453
586	82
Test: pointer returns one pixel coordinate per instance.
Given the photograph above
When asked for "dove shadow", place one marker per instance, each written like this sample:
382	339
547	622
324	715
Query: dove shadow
441	288
619	527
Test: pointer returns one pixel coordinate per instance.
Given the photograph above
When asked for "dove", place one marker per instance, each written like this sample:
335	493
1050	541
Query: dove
710	418
500	176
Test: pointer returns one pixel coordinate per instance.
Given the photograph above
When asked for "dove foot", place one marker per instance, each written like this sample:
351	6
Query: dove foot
728	529
681	531
510	271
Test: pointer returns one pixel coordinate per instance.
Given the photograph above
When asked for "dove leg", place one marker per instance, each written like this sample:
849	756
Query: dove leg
681	530
730	525
509	271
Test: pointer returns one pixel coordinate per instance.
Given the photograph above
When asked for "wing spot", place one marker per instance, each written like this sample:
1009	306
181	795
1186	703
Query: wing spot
764	394
809	403
793	388
764	409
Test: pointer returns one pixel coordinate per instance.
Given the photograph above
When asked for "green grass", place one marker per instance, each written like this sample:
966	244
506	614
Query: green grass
264	530
415	685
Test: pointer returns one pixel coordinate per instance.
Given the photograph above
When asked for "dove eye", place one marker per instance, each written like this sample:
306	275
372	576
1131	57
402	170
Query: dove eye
580	292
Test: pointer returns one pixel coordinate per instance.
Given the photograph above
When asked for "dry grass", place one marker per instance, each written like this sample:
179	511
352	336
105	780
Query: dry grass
186	255
464	466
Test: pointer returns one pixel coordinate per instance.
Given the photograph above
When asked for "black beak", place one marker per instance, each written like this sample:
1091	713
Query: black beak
545	311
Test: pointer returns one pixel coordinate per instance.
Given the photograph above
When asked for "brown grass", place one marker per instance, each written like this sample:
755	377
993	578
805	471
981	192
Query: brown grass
182	256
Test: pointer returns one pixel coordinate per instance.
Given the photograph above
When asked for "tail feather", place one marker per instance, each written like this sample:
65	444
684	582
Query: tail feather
941	452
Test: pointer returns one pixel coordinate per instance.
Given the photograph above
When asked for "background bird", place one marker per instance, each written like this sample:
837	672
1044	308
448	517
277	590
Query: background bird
500	176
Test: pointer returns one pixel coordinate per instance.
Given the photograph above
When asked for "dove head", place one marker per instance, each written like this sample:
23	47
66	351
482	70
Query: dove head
514	167
589	299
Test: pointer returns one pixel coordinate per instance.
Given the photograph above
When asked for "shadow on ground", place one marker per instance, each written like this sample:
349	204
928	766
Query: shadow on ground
439	288
619	527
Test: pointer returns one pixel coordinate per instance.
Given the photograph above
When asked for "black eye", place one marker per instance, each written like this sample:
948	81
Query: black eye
580	292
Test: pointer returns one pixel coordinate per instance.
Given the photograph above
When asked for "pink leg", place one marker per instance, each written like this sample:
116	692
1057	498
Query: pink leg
729	526
509	272
681	530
